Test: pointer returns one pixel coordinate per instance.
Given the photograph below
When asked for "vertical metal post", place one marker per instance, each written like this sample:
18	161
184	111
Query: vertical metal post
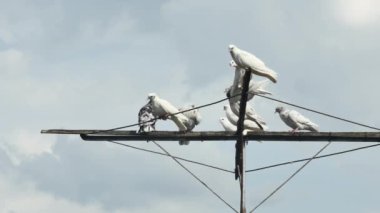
240	143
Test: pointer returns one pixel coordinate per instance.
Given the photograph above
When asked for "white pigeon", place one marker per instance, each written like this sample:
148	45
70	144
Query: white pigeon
162	108
236	88
239	74
194	118
229	127
248	124
295	120
250	113
255	88
247	60
146	119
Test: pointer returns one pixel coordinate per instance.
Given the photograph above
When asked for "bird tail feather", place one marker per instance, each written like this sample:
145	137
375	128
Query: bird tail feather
314	127
266	72
272	75
259	87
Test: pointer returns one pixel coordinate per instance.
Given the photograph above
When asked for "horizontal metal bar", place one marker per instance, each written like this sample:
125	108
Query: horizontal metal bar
220	135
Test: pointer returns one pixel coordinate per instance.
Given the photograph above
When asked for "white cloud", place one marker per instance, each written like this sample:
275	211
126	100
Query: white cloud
357	13
21	145
24	197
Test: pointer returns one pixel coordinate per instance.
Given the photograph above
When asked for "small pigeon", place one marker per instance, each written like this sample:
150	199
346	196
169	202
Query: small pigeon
248	124
194	118
239	74
254	88
146	119
229	127
193	115
295	120
163	109
247	60
250	113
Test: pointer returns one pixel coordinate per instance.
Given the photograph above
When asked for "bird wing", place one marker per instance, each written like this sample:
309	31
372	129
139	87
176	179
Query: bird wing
250	125
300	119
167	106
238	77
180	120
145	114
228	126
258	87
234	92
146	119
194	115
189	114
249	60
231	116
251	112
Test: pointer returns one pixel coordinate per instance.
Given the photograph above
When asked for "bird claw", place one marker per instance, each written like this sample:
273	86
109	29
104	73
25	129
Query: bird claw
293	131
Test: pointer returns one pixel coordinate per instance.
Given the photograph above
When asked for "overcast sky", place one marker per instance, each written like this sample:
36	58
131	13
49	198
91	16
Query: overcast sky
90	64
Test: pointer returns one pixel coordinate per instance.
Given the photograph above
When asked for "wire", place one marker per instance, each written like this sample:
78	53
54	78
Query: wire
321	113
197	178
287	180
317	157
179	158
187	110
224	99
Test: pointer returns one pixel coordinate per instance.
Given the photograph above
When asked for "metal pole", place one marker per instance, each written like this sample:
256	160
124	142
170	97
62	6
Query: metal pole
240	143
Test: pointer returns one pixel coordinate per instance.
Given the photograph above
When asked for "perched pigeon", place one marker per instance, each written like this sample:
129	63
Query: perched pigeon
163	109
295	120
146	119
254	88
250	113
247	60
228	126
248	124
257	88
194	118
238	77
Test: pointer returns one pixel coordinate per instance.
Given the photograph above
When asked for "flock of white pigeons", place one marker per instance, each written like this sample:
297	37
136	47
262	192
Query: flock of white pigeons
186	118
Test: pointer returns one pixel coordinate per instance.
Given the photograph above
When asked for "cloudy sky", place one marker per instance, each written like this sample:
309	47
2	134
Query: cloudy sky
90	64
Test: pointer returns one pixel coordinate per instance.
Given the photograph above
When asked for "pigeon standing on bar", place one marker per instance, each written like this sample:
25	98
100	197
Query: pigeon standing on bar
163	109
295	120
250	62
194	118
248	124
250	113
146	119
228	126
